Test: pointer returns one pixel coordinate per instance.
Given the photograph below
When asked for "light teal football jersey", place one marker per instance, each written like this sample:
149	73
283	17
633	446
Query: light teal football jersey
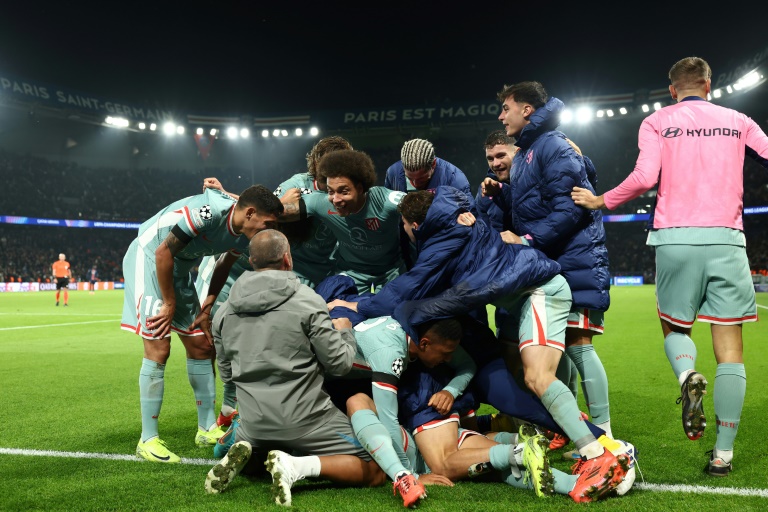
206	218
369	240
205	273
312	258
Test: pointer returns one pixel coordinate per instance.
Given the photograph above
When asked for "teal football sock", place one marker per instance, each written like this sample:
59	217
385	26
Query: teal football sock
566	372
151	387
594	381
559	401
200	374
376	440
681	353
230	395
730	388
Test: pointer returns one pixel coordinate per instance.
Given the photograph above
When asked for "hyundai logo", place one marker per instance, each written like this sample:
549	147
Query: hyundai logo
671	133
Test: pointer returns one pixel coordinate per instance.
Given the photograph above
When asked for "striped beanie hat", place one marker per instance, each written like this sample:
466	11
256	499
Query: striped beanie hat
417	154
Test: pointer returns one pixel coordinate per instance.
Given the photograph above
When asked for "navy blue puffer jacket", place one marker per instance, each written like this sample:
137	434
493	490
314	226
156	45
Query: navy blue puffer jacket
545	170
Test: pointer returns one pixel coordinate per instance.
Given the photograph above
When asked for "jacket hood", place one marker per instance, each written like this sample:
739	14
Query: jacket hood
545	119
442	214
259	292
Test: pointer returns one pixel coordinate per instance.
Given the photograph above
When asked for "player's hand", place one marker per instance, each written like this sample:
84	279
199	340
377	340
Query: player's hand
160	324
584	197
442	401
291	196
342	303
341	323
490	187
466	219
213	183
203	320
510	238
433	479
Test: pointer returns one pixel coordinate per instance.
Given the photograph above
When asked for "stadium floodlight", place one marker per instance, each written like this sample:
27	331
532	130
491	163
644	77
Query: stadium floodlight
600	113
169	128
180	130
109	120
284	133
729	89
276	132
584	115
657	106
199	131
213	132
153	127
299	132
245	133
142	126
717	93
232	132
265	133
566	116
646	108
314	131
749	80
623	111
609	112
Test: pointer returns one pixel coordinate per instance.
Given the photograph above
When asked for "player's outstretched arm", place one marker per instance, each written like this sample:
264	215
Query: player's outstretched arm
584	197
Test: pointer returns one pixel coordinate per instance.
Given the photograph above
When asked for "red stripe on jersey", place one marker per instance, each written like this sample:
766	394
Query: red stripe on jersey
386	387
189	220
230	216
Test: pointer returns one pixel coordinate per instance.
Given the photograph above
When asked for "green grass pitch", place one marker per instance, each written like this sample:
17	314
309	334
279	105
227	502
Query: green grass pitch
71	421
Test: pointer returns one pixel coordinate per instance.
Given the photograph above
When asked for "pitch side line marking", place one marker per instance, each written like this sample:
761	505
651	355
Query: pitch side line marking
761	306
105	456
68	313
761	493
54	325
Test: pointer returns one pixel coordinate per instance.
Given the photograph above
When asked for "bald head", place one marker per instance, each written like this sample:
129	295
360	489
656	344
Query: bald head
270	250
62	256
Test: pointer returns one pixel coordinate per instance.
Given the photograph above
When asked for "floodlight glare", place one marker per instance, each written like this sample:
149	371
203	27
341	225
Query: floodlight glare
749	79
265	133
169	128
646	108
566	116
609	112
109	120
717	93
314	131
244	133
180	130
584	115
599	113
656	106
142	126
623	111
729	89
199	131
276	132
153	127
213	132
284	133
299	132
232	132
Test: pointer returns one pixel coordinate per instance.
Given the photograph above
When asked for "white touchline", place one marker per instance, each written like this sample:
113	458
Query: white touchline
55	325
698	489
105	456
761	306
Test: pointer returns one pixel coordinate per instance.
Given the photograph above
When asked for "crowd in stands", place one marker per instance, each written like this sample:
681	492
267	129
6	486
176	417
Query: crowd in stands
64	190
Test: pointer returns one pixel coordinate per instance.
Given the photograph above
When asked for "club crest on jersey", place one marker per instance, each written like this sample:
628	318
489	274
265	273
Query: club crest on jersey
201	216
397	367
305	191
372	224
278	191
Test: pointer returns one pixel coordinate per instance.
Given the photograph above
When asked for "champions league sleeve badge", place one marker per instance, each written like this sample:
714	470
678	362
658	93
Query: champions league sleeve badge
397	367
201	216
